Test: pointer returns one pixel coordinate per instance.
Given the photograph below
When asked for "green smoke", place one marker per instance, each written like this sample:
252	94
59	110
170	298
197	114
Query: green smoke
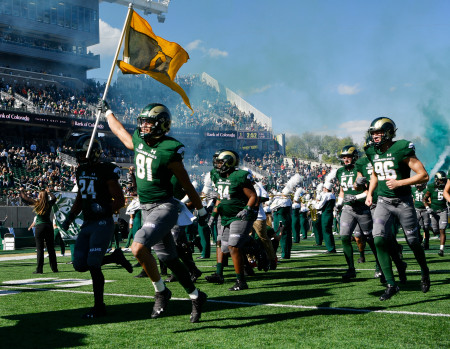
435	139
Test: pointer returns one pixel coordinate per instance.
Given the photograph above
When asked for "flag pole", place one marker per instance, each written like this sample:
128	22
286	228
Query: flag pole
108	82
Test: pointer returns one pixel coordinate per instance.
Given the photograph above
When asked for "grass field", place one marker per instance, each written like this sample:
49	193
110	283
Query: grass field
303	304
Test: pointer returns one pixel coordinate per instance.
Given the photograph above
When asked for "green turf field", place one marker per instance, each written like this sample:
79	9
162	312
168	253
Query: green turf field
303	304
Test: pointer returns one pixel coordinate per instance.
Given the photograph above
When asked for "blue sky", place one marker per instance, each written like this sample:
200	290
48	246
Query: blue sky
328	67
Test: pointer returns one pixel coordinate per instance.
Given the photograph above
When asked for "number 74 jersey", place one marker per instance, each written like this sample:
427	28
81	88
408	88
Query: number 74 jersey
390	165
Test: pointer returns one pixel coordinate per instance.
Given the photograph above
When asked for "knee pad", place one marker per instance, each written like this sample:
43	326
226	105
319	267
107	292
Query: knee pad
224	247
357	234
412	236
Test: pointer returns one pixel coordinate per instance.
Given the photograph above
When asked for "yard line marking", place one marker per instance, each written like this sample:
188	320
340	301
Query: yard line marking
292	306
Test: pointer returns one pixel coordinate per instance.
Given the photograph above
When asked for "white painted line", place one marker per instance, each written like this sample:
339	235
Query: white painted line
291	306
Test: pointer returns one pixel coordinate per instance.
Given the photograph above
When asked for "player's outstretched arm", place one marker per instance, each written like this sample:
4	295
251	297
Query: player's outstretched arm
115	125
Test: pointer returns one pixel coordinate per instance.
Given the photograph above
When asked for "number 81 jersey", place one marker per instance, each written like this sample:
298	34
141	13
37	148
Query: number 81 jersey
390	165
153	177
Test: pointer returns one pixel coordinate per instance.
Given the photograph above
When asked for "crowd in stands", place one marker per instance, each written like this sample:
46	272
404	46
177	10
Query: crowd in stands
35	166
211	111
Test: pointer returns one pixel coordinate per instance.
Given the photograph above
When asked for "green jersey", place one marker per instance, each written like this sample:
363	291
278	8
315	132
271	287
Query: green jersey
346	180
231	194
92	186
418	197
390	165
438	202
364	167
152	173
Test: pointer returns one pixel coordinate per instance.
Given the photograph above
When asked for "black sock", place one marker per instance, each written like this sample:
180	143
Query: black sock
98	284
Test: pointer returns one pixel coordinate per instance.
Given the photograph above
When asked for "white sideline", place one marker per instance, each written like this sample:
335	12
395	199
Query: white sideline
292	306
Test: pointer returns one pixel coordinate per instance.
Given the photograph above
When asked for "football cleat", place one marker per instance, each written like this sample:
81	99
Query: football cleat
197	305
377	274
195	274
239	286
441	253
402	273
426	245
362	259
95	312
142	274
120	259
425	283
171	278
215	279
349	274
389	292
161	301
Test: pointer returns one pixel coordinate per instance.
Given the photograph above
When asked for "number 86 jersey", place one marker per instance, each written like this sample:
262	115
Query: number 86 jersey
390	165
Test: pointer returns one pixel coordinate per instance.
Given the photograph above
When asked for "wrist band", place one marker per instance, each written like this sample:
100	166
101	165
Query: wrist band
108	112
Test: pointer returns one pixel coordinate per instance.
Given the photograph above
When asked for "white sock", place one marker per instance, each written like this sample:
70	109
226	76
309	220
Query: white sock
442	247
194	295
159	285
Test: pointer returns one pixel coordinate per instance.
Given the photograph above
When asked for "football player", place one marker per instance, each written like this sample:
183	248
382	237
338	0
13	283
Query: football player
418	192
99	196
436	206
354	211
392	163
237	199
157	157
365	169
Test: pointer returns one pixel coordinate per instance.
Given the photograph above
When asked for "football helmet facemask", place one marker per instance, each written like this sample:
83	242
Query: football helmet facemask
158	115
216	154
421	186
386	125
82	146
440	179
349	150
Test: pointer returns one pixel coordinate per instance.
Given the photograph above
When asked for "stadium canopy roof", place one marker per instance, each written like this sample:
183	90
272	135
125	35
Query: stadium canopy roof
158	7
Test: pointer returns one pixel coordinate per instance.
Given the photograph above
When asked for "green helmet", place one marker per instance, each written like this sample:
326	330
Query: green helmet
382	124
367	142
421	186
349	150
82	146
226	161
440	179
157	114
